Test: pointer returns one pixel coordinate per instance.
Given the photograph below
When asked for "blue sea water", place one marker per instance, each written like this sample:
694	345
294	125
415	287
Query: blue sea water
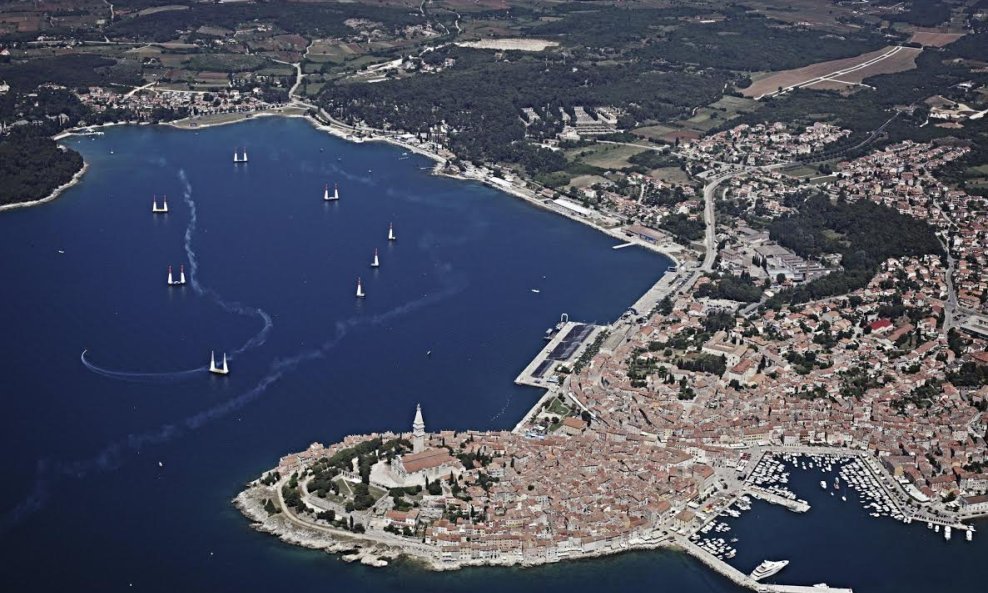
119	467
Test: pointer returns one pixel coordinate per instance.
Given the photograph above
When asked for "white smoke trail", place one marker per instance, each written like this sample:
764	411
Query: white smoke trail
113	455
234	307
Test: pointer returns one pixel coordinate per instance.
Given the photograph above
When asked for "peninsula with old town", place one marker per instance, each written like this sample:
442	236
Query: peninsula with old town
760	345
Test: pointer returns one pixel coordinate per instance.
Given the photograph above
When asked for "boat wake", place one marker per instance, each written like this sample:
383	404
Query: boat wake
139	377
199	289
114	455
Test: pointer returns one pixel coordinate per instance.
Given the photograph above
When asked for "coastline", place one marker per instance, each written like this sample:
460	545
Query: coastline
53	195
380	550
360	135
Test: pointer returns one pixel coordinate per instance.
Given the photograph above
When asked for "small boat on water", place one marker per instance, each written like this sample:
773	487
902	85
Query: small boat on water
331	197
391	232
181	276
238	158
163	208
376	262
360	289
223	369
536	290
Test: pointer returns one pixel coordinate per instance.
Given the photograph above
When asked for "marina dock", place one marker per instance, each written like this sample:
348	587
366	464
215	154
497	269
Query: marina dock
797	506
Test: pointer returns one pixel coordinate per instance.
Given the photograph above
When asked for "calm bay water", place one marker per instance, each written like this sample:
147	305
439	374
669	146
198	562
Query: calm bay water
119	469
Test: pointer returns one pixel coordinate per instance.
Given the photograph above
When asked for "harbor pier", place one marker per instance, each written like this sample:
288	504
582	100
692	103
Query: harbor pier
739	578
797	506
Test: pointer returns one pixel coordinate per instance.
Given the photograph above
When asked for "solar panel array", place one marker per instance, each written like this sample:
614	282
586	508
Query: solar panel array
565	349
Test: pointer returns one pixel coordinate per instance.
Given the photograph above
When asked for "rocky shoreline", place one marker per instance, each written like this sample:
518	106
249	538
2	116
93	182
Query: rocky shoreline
368	550
53	195
250	502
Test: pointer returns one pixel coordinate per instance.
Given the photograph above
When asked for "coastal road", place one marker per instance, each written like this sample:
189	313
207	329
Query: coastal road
709	193
710	235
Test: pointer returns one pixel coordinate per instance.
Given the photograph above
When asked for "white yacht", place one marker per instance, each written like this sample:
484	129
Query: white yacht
237	158
376	262
768	568
331	197
946	533
391	232
223	369
823	484
163	208
360	289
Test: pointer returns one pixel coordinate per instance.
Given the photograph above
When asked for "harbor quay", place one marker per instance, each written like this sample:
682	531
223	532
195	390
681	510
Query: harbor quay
739	578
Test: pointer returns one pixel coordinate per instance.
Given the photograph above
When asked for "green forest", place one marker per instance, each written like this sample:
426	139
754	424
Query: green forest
864	233
32	166
481	97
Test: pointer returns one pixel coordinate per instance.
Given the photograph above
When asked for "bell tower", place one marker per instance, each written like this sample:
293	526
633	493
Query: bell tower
418	431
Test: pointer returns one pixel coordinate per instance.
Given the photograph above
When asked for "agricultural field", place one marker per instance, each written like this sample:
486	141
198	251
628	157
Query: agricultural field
581	181
605	156
671	175
836	74
934	38
820	15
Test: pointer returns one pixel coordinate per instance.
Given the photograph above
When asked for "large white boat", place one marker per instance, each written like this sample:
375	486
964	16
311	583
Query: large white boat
360	289
218	370
238	158
768	568
331	197
391	232
376	262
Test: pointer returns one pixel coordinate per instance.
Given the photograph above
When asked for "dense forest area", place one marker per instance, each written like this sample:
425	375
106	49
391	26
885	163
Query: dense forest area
924	13
70	70
864	233
32	166
311	20
31	163
739	41
480	99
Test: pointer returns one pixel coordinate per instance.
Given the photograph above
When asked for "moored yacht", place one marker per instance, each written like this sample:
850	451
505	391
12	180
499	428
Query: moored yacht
223	369
768	568
376	262
238	158
360	289
391	232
